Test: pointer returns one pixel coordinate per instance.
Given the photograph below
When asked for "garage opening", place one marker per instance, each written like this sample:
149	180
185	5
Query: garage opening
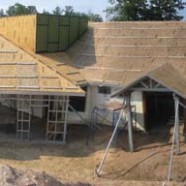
159	109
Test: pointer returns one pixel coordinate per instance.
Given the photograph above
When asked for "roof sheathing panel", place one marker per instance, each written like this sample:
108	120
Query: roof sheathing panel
123	51
170	78
21	30
26	73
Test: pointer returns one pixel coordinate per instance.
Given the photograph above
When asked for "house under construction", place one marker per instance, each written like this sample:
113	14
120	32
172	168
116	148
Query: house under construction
57	61
31	86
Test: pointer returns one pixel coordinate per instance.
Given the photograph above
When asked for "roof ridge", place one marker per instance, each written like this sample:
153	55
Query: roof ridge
167	64
152	75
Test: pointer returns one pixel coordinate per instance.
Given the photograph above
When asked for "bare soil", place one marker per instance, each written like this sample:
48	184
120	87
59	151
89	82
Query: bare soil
76	161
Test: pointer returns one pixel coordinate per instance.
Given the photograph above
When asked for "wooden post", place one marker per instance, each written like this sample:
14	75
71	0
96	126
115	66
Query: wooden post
130	136
177	135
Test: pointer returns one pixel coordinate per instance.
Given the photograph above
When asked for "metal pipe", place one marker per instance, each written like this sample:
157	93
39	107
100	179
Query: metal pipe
130	136
98	171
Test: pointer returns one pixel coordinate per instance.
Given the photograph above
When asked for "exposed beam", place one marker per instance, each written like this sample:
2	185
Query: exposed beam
8	51
28	87
144	85
151	89
157	85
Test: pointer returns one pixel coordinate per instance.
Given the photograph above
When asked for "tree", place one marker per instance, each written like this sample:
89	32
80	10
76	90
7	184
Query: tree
94	17
45	12
2	13
58	11
69	10
165	10
31	10
123	10
19	9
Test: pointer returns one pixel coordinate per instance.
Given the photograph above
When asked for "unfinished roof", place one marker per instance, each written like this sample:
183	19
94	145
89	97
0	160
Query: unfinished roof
59	63
119	53
166	75
21	72
29	32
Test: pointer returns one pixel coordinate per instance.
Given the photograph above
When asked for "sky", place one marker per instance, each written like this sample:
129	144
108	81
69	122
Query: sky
183	13
96	6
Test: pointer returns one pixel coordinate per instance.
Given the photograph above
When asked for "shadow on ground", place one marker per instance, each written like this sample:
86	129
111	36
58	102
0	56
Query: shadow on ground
80	143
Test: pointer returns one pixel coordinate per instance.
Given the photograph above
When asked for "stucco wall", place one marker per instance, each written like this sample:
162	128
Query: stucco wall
137	102
94	98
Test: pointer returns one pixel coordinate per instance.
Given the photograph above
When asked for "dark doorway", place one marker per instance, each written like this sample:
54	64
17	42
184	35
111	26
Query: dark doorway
159	109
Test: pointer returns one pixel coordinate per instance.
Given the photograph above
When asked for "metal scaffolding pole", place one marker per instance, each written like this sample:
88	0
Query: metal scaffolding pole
23	117
177	135
130	133
99	169
65	120
175	140
57	118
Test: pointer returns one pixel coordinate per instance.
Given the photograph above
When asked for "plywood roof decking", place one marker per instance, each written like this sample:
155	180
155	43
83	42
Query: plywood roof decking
170	78
122	52
61	63
21	30
117	53
140	24
21	72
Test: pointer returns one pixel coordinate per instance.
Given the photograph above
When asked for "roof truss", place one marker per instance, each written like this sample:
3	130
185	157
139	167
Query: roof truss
148	84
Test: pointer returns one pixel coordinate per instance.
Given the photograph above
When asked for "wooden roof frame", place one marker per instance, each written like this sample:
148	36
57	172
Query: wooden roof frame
157	83
41	93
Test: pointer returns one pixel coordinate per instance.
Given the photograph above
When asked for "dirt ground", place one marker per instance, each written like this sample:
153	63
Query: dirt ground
76	161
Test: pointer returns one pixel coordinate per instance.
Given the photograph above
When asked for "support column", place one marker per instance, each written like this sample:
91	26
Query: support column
130	133
176	124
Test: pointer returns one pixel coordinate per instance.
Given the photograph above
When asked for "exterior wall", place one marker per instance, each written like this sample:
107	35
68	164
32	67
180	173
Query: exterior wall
58	33
101	101
91	95
137	102
94	98
91	100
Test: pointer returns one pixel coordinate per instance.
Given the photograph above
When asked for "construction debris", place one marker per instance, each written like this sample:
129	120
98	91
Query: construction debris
13	177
